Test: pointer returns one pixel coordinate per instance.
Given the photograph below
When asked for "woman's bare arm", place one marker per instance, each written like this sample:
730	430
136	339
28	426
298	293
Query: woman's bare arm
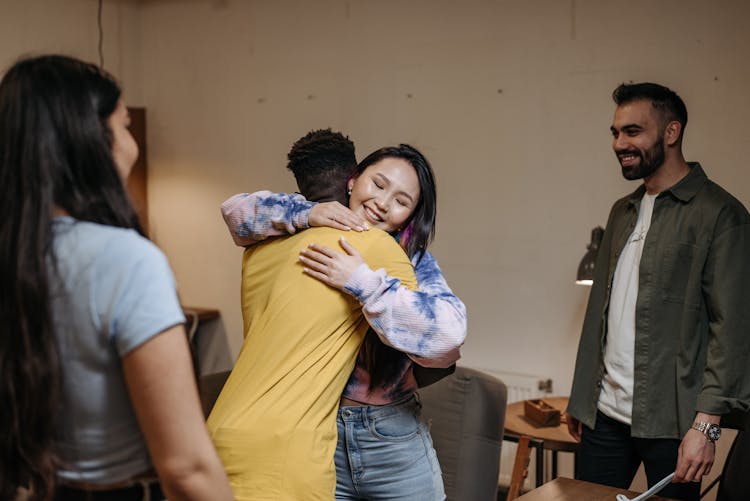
161	382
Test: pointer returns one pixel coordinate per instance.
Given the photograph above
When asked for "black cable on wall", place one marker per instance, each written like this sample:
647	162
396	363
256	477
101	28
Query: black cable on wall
101	35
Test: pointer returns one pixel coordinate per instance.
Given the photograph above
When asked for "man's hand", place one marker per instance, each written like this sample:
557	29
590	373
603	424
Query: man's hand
335	215
574	426
696	454
331	267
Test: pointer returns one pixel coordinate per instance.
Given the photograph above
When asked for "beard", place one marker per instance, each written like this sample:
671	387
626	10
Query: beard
650	160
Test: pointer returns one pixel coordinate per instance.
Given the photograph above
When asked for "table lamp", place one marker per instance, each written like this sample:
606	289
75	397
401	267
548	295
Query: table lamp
585	275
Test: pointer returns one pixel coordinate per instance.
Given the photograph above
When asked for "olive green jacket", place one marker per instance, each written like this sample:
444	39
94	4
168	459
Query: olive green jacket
692	341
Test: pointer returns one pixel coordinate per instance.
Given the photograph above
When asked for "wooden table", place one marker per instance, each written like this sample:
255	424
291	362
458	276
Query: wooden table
567	489
528	434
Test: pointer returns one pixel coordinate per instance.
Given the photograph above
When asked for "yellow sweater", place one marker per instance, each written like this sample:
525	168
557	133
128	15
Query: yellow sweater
274	423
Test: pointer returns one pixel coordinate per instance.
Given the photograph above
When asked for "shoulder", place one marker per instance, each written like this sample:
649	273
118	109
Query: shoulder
426	259
380	250
127	247
426	268
372	240
733	212
93	233
376	246
375	241
107	247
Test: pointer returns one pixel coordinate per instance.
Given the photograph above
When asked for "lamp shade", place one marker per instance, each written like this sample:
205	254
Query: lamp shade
585	275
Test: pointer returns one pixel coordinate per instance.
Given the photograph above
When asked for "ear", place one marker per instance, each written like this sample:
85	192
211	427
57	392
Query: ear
672	132
350	184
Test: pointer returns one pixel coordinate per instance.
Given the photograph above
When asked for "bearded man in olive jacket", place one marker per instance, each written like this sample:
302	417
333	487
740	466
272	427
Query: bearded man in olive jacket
665	345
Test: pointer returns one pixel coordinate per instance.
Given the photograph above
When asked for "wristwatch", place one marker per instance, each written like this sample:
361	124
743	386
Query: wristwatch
710	430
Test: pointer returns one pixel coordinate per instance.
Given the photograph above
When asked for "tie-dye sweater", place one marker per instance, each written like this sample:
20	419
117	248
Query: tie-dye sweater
428	325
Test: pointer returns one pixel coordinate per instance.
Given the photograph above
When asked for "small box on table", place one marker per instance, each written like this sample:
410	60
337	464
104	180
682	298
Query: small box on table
541	413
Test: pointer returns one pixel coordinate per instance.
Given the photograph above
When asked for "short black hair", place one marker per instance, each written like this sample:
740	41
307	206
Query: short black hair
663	99
322	161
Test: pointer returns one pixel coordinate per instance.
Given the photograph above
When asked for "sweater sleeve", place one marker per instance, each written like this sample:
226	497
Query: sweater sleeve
253	217
428	324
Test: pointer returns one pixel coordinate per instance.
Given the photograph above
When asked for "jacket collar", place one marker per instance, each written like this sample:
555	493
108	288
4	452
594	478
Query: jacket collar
685	189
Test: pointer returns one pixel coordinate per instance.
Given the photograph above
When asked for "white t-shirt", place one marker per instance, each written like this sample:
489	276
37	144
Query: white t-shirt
111	290
616	397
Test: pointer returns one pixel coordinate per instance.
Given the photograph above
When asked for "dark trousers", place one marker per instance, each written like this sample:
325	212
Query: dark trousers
609	455
136	492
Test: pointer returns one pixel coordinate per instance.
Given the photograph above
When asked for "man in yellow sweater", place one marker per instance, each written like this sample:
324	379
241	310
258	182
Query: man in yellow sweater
274	424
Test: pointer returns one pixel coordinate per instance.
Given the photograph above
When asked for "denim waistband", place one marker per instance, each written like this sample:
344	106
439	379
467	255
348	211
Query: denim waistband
410	405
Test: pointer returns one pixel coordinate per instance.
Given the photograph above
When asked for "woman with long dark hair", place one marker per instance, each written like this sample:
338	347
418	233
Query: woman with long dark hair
384	451
97	388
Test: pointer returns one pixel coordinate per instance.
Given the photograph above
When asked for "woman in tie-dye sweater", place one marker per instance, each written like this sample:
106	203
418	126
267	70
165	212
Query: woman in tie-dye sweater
425	326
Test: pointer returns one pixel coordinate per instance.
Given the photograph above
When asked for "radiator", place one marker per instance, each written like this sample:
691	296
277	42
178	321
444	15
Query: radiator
520	387
523	386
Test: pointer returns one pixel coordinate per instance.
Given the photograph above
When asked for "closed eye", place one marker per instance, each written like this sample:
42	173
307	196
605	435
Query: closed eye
632	129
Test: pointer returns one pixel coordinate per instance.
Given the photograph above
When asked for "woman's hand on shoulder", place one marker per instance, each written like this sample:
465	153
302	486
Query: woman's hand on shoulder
329	266
335	215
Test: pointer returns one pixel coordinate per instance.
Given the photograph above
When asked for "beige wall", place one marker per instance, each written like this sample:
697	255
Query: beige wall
508	99
32	27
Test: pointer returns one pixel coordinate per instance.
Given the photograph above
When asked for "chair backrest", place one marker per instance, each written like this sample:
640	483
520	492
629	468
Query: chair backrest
735	481
209	387
466	411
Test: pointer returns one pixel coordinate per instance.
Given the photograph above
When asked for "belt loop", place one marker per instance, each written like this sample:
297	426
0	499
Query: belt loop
146	486
364	413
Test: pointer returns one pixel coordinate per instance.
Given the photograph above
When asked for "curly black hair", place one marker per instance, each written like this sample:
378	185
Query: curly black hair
321	162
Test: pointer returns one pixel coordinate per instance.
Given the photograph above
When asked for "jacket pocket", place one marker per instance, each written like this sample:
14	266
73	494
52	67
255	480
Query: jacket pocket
681	274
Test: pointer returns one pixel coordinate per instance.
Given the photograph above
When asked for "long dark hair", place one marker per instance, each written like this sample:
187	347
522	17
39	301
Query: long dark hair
55	153
381	361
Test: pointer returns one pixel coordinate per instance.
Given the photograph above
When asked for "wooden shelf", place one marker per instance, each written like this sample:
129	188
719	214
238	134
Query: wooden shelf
203	313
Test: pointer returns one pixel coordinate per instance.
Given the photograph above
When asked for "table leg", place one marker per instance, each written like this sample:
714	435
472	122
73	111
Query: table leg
520	467
540	464
554	465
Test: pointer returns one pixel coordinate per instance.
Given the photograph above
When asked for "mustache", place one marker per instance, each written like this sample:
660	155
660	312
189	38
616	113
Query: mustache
628	152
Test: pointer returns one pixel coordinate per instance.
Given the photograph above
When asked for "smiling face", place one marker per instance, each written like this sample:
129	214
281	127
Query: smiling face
124	147
385	194
638	139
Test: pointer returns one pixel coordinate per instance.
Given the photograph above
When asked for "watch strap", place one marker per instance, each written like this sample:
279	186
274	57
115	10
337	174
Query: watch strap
710	431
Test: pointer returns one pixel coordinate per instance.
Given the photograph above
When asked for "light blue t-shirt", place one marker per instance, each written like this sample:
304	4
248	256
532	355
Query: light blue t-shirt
112	290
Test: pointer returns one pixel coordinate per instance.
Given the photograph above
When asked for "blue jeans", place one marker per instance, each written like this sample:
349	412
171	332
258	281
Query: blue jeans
609	455
385	452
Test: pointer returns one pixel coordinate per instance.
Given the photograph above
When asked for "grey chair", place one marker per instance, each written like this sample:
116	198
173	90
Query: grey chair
466	411
735	482
209	387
